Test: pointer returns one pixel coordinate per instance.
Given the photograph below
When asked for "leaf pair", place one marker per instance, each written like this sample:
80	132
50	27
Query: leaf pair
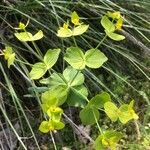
40	68
109	139
92	58
47	126
27	36
125	113
90	113
9	55
78	28
110	27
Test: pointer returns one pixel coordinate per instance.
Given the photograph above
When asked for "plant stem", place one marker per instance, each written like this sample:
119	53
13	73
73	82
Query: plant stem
74	76
37	49
101	41
75	41
53	141
81	131
23	62
99	128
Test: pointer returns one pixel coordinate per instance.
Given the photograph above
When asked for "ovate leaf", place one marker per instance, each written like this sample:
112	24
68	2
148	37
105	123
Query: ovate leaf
24	36
107	24
94	58
77	96
98	143
75	57
79	30
115	36
111	110
73	77
37	36
99	100
51	57
124	115
58	125
64	32
127	113
89	115
45	127
38	70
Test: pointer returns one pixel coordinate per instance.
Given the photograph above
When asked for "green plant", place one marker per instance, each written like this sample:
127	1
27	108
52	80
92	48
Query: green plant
69	86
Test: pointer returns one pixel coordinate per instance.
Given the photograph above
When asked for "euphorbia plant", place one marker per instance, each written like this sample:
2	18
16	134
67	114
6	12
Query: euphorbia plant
68	86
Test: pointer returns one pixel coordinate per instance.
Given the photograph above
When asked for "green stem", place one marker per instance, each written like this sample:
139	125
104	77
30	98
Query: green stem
53	141
101	41
99	128
23	62
74	76
75	41
37	49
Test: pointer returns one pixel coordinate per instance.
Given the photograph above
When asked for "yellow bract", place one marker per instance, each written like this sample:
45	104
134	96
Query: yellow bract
9	55
114	15
78	28
119	23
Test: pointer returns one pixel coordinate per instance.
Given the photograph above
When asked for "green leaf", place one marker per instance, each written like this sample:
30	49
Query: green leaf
99	100
75	57
77	96
70	86
38	70
24	36
75	18
94	58
107	24
37	36
111	110
98	143
115	36
73	77
58	125
54	97
64	32
113	136
51	57
61	93
79	30
124	116
127	113
88	115
57	79
27	36
44	127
